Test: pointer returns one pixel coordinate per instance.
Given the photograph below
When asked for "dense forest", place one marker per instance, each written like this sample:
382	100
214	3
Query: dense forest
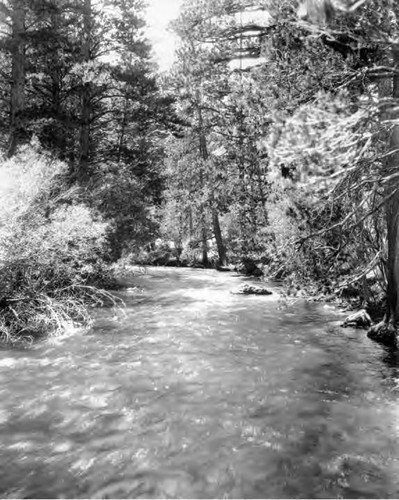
271	146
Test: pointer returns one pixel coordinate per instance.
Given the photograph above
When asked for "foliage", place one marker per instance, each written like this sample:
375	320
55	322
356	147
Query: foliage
50	251
266	142
330	155
296	140
94	102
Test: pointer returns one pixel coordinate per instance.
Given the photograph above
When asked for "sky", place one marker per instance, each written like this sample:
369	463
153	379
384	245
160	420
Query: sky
158	16
161	12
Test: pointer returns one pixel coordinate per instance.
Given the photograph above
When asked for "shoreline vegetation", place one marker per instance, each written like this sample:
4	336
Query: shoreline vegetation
285	169
55	265
52	269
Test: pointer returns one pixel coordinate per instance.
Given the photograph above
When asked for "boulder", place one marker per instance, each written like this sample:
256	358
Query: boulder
251	290
359	319
384	333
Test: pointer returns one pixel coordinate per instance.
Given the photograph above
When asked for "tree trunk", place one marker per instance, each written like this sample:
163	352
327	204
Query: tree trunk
215	218
17	106
58	137
205	260
190	222
218	237
122	132
385	331
86	112
243	195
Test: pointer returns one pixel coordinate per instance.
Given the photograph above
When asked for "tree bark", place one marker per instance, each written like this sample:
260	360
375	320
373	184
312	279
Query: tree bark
58	137
386	330
17	105
86	112
204	239
215	217
219	239
122	132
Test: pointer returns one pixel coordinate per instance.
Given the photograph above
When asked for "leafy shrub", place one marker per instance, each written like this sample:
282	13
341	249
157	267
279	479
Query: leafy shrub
51	250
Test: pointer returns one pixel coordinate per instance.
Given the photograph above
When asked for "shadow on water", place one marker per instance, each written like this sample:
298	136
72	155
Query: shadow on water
390	358
199	393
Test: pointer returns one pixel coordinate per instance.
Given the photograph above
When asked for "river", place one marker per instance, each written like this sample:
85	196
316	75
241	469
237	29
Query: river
199	393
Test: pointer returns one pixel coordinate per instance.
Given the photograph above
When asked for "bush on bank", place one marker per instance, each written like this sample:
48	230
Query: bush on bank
51	250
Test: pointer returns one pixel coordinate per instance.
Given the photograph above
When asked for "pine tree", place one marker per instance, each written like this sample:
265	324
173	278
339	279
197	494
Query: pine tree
14	43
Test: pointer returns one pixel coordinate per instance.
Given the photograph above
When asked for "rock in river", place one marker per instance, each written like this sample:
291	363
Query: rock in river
251	290
359	319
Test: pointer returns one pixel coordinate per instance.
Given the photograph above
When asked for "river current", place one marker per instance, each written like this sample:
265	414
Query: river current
199	393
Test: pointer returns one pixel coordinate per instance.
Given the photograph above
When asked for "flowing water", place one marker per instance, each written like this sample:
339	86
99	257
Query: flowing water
199	393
